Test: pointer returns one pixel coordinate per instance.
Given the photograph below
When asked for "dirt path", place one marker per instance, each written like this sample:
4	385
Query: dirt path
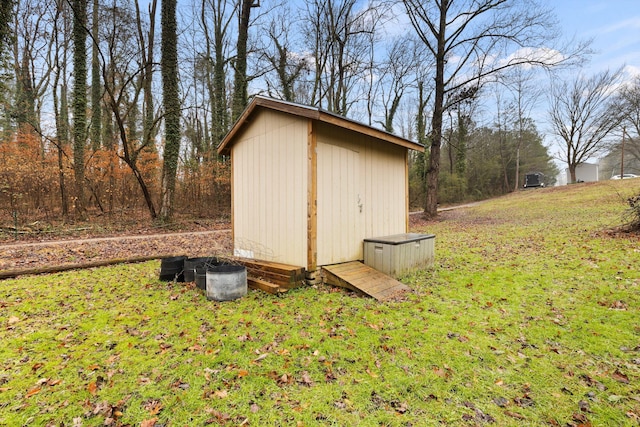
450	208
109	239
67	254
74	253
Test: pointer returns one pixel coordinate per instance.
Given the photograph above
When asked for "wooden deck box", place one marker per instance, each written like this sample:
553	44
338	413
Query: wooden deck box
399	254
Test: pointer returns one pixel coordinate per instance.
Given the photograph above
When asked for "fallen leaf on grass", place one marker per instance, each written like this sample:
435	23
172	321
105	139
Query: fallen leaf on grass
442	372
221	394
515	415
154	407
501	401
620	377
584	406
400	407
285	379
524	401
92	388
593	383
261	357
149	423
371	374
220	417
33	392
305	379
618	305
582	419
329	376
13	320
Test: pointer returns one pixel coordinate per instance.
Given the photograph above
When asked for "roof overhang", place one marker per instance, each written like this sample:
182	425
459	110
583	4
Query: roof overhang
313	113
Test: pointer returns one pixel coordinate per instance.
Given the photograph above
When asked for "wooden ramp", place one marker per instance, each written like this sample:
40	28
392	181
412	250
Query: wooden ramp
361	278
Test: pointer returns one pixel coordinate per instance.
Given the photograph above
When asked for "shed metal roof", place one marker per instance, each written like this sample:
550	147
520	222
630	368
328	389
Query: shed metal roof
314	113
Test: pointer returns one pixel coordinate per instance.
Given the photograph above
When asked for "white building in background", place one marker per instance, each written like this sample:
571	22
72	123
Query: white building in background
585	172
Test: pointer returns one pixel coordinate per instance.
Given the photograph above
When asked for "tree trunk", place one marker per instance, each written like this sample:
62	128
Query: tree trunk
240	77
171	106
517	174
61	110
61	142
572	173
79	101
433	167
96	86
146	76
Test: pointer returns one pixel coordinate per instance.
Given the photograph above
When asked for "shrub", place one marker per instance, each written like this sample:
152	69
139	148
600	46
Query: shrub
634	213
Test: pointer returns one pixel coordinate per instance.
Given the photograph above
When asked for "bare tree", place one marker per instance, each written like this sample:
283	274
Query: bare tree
124	73
146	76
33	63
285	65
582	115
397	76
338	33
61	42
525	93
630	103
471	41
216	17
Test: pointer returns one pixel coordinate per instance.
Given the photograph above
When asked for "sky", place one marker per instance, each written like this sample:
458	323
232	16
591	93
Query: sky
614	26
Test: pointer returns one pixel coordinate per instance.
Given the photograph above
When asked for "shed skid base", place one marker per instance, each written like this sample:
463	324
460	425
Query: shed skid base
313	277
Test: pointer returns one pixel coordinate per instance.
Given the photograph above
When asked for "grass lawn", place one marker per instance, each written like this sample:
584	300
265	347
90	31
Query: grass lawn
531	316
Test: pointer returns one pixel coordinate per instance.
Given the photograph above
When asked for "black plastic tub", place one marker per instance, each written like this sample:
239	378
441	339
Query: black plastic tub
172	268
190	265
200	276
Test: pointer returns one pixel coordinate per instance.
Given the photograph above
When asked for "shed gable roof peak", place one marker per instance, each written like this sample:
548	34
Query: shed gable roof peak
314	113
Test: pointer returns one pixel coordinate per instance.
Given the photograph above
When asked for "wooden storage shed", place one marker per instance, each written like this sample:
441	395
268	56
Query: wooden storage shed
308	186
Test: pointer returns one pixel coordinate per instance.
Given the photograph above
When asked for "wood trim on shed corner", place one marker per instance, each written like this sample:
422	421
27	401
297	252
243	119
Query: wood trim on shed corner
312	197
406	189
233	228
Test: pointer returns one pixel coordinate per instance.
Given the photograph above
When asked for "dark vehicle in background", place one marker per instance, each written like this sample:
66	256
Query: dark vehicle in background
532	180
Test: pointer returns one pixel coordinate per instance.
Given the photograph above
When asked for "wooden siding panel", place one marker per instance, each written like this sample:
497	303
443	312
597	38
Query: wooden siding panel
270	189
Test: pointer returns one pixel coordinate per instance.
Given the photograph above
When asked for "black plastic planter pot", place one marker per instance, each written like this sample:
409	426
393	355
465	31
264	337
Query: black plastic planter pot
226	282
172	269
190	265
200	276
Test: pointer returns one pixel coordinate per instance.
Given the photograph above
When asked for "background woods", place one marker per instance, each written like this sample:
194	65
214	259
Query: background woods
116	107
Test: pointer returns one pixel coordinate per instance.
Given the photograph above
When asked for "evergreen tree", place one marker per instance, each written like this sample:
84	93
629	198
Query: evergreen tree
169	64
79	100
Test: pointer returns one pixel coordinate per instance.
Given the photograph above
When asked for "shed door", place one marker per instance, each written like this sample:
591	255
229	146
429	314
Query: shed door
340	205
